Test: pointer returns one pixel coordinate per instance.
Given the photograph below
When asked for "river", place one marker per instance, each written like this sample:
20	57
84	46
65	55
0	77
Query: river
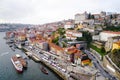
8	72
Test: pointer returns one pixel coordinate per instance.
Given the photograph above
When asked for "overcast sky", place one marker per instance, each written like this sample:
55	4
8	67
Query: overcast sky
44	11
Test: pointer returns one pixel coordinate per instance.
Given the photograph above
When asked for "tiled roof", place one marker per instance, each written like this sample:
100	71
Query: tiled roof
56	46
68	23
111	32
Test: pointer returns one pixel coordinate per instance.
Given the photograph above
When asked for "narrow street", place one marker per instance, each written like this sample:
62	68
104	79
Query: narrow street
99	67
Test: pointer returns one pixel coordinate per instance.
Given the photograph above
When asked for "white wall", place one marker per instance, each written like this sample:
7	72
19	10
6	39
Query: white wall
104	36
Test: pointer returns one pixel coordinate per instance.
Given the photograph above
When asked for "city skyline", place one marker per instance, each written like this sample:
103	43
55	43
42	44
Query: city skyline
45	11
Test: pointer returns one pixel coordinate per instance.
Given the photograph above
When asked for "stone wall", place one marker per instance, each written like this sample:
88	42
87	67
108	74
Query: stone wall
112	67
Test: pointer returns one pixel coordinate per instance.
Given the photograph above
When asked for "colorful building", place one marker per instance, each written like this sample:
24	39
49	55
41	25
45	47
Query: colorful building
73	54
72	34
85	60
57	50
68	25
116	45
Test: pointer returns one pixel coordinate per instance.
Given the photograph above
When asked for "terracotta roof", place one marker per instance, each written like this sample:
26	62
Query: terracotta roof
72	50
56	46
111	32
68	23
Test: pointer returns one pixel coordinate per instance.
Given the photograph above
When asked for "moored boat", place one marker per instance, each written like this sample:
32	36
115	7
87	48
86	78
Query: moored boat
22	60
18	62
44	70
18	66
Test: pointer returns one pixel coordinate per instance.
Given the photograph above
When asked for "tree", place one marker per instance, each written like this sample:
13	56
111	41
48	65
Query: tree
86	37
61	31
103	50
111	16
55	40
89	16
92	17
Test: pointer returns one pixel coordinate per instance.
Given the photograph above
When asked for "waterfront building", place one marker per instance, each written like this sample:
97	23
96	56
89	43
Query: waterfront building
56	50
43	45
20	36
73	54
8	34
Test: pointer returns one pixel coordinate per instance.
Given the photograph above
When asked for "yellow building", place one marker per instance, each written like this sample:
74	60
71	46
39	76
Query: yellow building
116	45
79	26
21	36
56	35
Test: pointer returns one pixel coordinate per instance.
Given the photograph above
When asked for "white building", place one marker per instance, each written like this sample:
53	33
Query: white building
96	16
71	34
96	37
106	34
90	29
68	25
80	17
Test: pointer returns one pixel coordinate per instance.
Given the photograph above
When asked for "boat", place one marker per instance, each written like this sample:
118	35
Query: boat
44	70
13	48
17	64
22	60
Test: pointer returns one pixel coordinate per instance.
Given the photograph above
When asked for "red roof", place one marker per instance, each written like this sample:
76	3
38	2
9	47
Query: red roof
56	46
111	32
68	23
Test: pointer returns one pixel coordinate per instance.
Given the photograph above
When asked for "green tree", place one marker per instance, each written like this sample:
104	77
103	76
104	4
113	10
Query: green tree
111	16
89	16
61	31
103	50
86	37
92	17
55	40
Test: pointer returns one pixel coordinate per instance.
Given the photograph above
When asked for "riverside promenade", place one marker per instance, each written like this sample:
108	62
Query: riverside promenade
65	70
38	58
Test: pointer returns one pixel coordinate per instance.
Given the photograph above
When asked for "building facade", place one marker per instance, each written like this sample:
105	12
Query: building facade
106	34
80	17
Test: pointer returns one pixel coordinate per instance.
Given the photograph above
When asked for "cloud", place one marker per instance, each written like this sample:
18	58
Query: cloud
14	9
43	11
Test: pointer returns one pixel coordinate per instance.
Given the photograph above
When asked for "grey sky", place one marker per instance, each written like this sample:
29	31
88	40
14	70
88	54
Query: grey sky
43	11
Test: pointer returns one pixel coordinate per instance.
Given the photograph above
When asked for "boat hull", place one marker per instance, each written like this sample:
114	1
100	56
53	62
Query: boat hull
18	69
44	71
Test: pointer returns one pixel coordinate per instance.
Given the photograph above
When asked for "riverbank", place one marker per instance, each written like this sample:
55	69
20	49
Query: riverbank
8	72
37	59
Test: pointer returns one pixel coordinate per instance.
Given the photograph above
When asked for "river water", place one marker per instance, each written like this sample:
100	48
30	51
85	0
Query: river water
8	72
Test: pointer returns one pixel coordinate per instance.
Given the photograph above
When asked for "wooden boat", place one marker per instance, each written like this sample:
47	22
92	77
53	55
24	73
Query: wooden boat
44	70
